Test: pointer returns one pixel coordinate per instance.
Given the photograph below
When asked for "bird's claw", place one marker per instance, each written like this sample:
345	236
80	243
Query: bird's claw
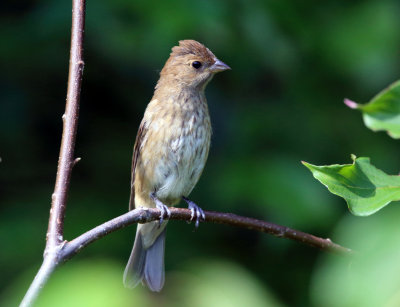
196	212
165	212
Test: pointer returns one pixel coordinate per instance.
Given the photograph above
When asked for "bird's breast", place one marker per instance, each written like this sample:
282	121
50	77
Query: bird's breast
186	146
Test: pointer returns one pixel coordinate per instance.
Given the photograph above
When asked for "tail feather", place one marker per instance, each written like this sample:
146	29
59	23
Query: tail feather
146	263
154	273
133	273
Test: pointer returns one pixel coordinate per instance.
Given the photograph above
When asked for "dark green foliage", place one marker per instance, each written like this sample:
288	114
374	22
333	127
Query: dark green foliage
292	64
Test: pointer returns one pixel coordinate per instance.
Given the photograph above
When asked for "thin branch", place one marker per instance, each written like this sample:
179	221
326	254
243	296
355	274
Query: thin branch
67	250
66	161
147	215
42	276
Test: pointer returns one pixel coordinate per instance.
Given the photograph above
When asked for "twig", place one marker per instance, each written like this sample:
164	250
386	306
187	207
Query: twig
55	232
70	119
147	215
69	249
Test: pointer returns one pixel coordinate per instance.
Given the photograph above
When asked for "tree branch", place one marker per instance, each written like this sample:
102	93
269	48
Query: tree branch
143	215
66	161
67	250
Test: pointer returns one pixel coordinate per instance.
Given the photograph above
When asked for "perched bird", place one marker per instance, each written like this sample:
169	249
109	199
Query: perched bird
169	154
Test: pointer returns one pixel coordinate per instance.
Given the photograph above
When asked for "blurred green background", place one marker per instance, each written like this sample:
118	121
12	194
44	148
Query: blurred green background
292	63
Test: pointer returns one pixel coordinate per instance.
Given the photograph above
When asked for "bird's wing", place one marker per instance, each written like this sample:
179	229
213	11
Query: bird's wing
143	128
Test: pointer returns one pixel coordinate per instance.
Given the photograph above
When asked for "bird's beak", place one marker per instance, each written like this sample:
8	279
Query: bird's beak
219	66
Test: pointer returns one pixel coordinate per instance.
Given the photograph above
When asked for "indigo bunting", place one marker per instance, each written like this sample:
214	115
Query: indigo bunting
169	154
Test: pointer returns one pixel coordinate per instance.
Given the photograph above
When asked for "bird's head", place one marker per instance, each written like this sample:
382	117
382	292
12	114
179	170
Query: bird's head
192	65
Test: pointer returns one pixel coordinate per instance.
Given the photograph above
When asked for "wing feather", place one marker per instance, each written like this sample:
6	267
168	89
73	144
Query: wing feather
143	128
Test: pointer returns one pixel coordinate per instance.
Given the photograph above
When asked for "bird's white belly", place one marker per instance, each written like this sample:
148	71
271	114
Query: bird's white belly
184	163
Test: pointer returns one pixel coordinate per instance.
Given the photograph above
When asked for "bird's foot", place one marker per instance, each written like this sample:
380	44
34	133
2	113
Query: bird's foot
165	212
197	212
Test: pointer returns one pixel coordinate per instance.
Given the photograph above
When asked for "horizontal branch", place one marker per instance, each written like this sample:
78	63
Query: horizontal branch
143	215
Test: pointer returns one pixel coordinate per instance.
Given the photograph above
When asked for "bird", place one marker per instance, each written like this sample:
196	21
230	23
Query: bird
169	154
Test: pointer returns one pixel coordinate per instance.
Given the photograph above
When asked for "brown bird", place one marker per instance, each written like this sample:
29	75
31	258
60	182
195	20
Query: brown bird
169	155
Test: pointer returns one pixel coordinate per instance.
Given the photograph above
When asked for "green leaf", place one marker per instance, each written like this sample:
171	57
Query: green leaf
365	188
383	111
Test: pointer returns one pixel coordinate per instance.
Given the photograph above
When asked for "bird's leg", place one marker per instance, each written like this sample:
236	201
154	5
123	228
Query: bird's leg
197	212
165	212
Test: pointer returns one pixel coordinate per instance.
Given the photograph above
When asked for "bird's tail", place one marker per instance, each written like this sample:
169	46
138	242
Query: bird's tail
146	263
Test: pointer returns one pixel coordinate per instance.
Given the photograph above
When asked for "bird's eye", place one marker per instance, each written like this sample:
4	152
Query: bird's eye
196	64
